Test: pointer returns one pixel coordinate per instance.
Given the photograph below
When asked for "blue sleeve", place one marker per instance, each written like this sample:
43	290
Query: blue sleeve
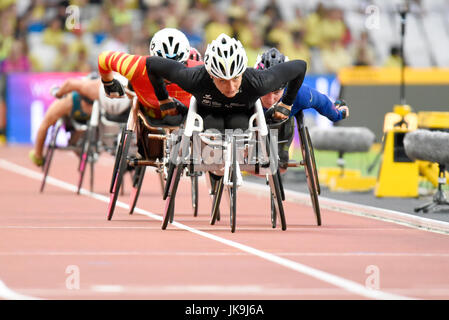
308	97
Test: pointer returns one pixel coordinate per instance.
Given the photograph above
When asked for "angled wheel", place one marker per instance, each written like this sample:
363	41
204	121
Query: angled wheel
86	157
117	175
118	154
232	190
170	202
273	212
139	173
310	168
218	192
49	153
276	190
313	162
277	205
171	167
194	184
161	179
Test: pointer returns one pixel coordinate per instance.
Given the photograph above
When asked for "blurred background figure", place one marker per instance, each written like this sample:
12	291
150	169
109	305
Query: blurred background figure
394	60
329	35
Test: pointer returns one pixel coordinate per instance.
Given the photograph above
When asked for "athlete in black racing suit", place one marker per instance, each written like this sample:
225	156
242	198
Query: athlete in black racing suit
227	110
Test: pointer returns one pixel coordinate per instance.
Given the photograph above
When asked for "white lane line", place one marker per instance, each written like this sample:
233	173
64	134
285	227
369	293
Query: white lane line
9	294
217	254
219	290
217	228
361	210
345	284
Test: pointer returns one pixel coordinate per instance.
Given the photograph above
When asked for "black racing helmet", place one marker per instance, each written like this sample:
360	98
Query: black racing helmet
270	58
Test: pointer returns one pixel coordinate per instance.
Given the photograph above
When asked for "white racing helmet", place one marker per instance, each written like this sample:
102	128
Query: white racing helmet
225	58
114	106
171	44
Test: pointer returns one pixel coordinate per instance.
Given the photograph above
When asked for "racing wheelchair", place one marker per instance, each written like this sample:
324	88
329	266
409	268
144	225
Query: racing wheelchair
253	151
154	142
88	139
238	154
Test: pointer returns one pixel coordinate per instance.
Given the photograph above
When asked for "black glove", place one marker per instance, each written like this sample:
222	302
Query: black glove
168	108
182	109
281	109
269	115
113	86
173	108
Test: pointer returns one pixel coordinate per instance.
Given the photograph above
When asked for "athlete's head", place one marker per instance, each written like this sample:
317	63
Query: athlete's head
268	59
225	60
195	54
171	44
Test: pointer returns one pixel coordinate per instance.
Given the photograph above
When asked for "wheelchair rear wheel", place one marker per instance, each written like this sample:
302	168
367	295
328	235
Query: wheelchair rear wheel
217	187
119	170
86	157
310	170
194	184
49	153
139	174
233	189
171	196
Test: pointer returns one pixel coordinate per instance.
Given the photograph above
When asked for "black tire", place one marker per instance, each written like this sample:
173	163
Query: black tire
92	175
118	155
117	176
218	192
313	162
194	184
84	157
139	174
276	189
171	167
273	212
170	201
49	154
233	190
310	169
278	202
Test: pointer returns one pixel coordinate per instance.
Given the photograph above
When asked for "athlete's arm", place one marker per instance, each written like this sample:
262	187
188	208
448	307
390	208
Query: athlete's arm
129	66
87	88
310	98
159	69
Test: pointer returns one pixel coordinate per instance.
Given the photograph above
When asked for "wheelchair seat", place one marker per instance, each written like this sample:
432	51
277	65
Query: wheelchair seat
153	123
120	118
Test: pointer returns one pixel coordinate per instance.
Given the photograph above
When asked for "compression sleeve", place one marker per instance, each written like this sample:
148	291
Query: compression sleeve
159	69
271	79
308	97
129	66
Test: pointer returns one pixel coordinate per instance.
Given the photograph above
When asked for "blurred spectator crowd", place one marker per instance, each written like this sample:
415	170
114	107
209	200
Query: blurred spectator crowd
55	35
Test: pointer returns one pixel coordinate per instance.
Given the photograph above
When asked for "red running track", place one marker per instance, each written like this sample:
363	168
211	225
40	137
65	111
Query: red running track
58	245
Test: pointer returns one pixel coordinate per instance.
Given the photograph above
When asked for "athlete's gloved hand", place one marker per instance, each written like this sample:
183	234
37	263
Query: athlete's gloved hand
168	108
281	111
113	89
173	112
342	107
182	109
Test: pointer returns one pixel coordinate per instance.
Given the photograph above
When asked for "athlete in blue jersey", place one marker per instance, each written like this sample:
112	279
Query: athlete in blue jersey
306	97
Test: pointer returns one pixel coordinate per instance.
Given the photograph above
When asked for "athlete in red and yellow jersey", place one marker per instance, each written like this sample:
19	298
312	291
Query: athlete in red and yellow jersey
133	67
167	43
